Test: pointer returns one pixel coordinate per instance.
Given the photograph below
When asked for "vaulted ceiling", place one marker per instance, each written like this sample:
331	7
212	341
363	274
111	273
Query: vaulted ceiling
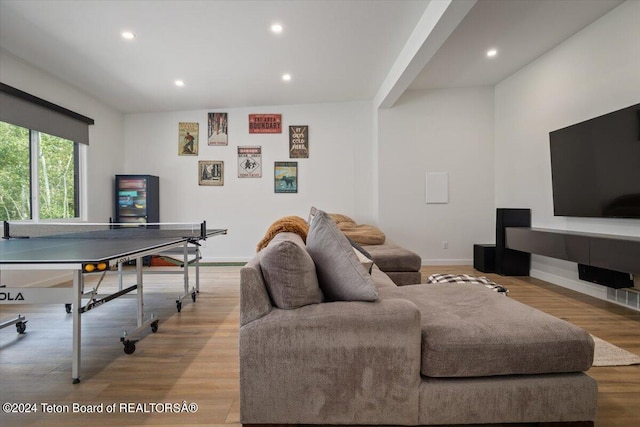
227	56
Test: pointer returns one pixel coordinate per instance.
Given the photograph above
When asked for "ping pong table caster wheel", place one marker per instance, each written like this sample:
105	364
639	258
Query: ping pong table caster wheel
21	327
193	296
154	326
129	346
67	308
179	306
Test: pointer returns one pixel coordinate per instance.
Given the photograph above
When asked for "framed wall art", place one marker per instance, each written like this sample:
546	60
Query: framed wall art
298	142
265	123
217	129
187	139
286	177
249	162
211	172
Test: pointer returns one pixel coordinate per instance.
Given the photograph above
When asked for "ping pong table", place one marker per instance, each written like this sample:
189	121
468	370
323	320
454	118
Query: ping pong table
90	249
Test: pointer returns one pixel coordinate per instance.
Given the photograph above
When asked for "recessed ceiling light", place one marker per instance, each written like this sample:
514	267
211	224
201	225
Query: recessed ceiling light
128	35
491	53
286	77
277	28
179	83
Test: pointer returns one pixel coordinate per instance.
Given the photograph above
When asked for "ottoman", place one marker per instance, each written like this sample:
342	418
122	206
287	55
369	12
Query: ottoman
400	264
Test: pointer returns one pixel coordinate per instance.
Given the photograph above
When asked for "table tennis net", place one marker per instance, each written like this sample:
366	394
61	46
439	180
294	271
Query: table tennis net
81	230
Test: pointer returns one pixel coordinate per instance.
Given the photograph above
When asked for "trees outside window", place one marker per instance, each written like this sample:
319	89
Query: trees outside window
38	175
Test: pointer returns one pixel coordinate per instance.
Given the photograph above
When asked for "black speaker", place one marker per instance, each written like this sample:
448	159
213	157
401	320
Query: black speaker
602	276
484	258
508	261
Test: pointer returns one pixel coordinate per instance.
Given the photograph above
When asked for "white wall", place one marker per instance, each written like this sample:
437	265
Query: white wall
438	131
103	156
594	72
338	135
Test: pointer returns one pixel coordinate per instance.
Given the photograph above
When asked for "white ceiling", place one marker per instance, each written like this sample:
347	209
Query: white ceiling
521	31
335	50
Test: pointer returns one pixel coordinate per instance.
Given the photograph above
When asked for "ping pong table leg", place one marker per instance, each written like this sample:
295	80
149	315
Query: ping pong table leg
140	300
119	276
77	326
185	269
198	268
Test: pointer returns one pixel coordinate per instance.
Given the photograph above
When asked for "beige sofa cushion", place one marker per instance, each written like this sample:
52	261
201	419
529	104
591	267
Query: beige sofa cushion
471	331
391	257
381	279
289	272
363	234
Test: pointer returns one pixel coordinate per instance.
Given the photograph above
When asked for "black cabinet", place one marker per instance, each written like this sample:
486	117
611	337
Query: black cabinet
511	262
484	258
137	199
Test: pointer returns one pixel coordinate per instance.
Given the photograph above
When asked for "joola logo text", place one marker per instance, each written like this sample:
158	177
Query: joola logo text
8	296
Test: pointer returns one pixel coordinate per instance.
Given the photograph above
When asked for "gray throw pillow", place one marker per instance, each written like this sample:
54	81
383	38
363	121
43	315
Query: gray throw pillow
289	273
340	274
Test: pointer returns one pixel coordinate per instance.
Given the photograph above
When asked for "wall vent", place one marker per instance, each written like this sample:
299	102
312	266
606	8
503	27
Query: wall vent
627	297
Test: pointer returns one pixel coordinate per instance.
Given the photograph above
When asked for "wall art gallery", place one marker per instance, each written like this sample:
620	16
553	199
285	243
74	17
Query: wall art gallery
249	157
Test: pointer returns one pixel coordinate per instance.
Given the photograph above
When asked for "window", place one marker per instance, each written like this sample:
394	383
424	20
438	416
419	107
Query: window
38	175
39	171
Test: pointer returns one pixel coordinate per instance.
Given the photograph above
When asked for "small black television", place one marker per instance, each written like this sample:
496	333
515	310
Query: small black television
595	166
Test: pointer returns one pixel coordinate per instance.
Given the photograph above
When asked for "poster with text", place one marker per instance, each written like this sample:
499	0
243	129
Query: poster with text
187	139
265	123
286	177
217	129
298	142
249	162
211	172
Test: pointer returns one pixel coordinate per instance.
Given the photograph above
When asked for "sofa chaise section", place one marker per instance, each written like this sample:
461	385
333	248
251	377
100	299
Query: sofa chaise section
428	354
327	362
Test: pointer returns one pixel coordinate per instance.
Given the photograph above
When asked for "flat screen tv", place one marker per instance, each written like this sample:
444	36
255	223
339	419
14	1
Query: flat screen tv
595	166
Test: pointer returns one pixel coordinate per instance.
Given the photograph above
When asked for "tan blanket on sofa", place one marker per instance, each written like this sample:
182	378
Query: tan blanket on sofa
362	234
291	224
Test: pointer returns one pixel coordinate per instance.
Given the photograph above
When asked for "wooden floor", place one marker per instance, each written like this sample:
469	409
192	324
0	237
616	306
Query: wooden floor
193	358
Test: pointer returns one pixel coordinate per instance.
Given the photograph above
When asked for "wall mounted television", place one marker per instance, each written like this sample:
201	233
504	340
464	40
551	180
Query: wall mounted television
595	166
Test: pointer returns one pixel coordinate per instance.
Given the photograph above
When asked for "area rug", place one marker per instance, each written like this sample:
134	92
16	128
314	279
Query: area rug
607	354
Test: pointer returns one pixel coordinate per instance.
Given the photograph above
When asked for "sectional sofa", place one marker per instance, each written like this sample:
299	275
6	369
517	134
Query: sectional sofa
326	338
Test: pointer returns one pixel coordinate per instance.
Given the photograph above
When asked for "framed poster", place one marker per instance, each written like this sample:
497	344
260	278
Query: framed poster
249	162
211	172
187	139
299	142
265	123
217	129
285	177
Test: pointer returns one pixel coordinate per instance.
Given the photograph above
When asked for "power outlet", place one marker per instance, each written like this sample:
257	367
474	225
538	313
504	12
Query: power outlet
445	244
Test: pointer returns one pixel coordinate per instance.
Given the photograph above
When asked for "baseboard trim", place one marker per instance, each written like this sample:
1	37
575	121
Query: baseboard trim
430	262
597	291
225	260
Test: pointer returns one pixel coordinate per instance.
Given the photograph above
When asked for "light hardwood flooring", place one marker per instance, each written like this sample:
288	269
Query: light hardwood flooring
193	357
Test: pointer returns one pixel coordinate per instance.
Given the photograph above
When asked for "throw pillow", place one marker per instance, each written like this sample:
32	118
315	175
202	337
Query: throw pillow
289	273
340	274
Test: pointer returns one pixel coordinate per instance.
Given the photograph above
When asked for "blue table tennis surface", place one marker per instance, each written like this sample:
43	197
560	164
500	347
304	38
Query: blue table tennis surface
92	247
